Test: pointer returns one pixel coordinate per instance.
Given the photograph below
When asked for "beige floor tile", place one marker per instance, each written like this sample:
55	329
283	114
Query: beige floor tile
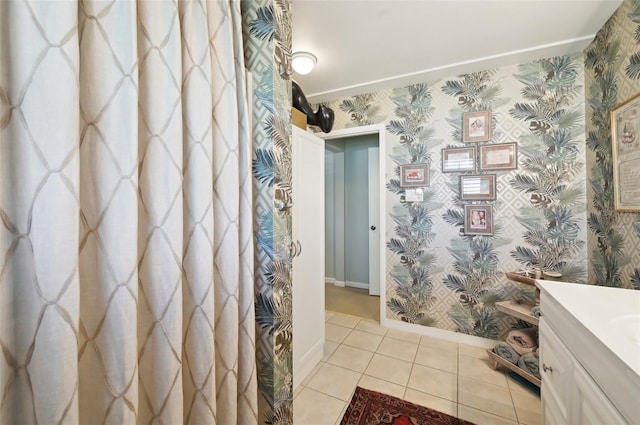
311	374
297	391
399	349
486	397
473	351
344	320
435	382
447	376
437	358
389	369
436	403
363	340
441	344
335	333
313	407
403	336
335	381
381	386
528	408
478	417
371	327
328	315
329	348
351	358
479	369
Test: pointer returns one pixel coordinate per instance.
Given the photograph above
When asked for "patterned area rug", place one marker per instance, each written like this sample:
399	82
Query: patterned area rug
372	408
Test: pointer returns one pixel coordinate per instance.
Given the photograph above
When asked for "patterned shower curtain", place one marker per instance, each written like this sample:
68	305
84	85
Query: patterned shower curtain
126	253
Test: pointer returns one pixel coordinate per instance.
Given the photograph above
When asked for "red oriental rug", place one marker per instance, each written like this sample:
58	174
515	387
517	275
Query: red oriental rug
372	408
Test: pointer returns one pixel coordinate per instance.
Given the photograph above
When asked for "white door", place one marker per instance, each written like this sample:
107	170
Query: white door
374	221
308	252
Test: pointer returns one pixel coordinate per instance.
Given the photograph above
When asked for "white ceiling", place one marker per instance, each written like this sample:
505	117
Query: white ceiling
368	45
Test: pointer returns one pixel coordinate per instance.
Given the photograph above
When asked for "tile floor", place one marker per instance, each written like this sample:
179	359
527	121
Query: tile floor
453	378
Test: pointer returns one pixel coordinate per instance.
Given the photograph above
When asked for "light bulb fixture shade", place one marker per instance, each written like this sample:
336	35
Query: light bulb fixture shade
303	62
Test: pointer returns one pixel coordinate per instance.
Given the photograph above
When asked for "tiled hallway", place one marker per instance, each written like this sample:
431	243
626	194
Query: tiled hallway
446	376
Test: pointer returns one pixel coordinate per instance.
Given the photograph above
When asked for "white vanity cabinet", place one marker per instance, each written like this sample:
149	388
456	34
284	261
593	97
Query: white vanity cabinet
569	394
591	406
556	368
590	367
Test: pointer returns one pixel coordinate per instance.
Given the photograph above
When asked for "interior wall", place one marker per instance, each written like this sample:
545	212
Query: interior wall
357	209
266	28
329	216
612	76
436	275
347	210
334	212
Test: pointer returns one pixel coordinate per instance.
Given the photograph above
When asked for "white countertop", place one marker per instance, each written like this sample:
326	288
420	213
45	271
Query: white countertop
612	315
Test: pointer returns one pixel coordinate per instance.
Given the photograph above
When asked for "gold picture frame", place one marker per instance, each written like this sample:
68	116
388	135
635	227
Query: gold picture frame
476	126
625	148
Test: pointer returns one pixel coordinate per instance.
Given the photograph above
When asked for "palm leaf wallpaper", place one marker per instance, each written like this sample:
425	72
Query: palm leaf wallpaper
412	297
611	77
267	32
475	260
552	167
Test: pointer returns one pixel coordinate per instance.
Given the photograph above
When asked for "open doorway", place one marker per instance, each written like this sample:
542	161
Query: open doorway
353	229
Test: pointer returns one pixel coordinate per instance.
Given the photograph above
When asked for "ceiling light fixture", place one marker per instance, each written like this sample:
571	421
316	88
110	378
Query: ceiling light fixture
303	62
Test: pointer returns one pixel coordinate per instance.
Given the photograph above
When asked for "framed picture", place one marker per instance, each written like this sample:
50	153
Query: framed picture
503	156
414	175
625	134
476	126
478	219
458	159
480	187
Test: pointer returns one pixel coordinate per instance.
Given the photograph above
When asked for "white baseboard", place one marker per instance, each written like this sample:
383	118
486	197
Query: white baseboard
308	361
438	333
339	283
359	285
331	280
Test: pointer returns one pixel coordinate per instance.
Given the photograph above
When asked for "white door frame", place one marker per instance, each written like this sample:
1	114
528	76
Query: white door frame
373	188
380	130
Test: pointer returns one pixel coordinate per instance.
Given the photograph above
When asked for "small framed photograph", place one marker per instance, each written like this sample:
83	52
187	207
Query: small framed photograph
476	126
414	175
458	159
478	219
481	187
625	140
503	156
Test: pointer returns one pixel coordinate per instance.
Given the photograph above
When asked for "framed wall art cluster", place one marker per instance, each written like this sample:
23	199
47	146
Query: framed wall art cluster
477	163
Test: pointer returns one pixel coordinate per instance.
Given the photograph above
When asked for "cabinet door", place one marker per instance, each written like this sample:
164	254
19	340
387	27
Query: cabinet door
555	368
307	219
592	406
552	414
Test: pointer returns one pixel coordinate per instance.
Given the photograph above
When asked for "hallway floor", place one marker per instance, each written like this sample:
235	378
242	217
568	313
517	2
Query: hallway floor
450	377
